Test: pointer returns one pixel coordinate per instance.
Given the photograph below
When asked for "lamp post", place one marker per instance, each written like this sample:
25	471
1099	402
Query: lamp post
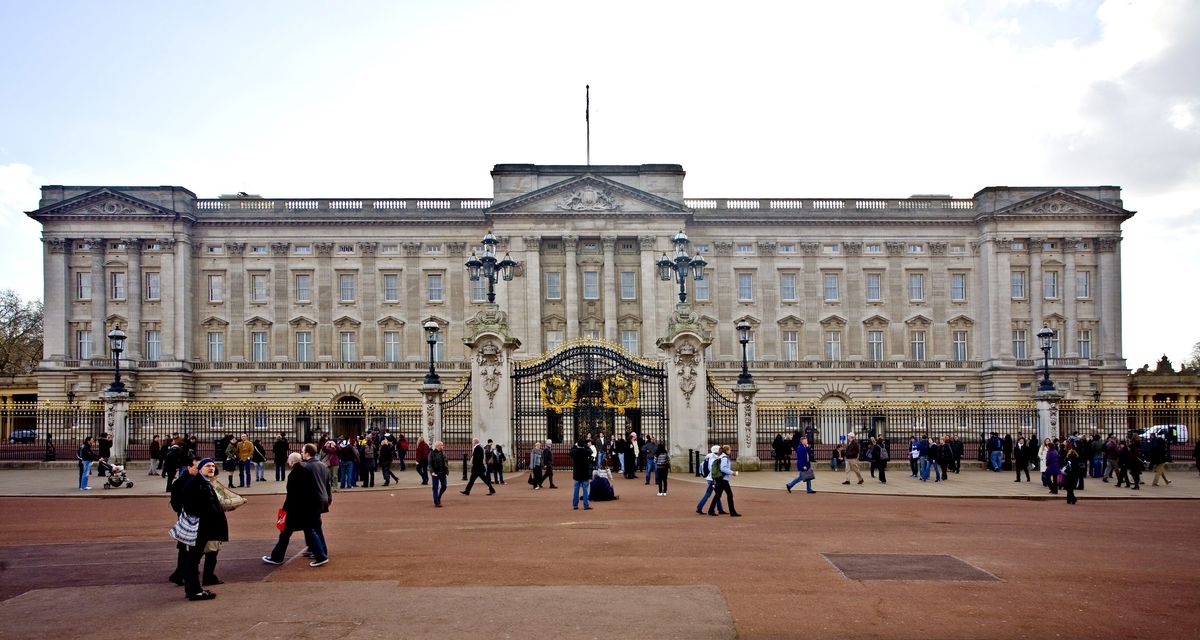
432	329
681	265
1045	337
487	267
743	330
116	344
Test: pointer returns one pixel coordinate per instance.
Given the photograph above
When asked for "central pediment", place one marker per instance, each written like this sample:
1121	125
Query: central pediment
103	203
591	195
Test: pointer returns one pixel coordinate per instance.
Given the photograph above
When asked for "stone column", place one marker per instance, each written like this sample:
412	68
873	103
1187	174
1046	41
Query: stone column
235	301
686	385
99	298
324	294
571	291
281	294
60	291
133	299
414	288
1109	291
1037	288
1000	300
491	348
610	288
533	294
766	339
725	295
431	412
1068	344
182	298
368	295
649	293
1047	408
747	426
116	413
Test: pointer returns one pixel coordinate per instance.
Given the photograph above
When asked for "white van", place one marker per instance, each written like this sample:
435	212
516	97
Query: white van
1164	431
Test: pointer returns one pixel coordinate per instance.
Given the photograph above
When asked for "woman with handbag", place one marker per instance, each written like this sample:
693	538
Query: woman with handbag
200	502
804	468
535	465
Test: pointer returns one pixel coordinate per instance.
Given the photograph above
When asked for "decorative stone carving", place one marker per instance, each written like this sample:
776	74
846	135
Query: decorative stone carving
167	244
767	247
456	248
491	319
570	243
491	359
724	248
810	248
532	243
411	249
324	249
646	243
111	208
937	248
589	198
368	248
686	363
894	247
974	244
235	248
1107	243
852	248
609	243
96	245
279	249
56	245
1056	206
430	400
132	245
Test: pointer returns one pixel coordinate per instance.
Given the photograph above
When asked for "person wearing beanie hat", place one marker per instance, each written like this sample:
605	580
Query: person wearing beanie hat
200	501
706	472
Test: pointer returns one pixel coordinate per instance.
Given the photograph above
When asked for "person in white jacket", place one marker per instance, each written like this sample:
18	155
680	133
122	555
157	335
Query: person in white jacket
706	471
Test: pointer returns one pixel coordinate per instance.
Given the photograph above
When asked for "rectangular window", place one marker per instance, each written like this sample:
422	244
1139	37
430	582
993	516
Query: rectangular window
787	287
1083	284
258	346
958	287
391	346
1054	346
553	285
591	285
433	287
787	247
258	250
791	345
153	285
303	287
439	347
918	345
832	288
1018	285
216	346
347	346
629	285
391	287
916	286
960	345
745	286
216	288
304	346
346	287
83	285
433	248
916	248
874	287
479	289
83	344
260	388
629	341
745	248
258	287
1050	285
302	249
1085	343
553	339
592	334
833	345
875	345
1020	344
118	286
153	350
700	288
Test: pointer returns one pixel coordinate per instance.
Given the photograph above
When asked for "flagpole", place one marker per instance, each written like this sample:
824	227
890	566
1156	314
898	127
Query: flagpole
587	117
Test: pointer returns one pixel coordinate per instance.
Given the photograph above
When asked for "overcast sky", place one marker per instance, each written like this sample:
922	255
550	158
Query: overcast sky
754	99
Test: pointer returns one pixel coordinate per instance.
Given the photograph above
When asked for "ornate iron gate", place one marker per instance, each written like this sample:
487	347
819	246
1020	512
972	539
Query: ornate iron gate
583	388
722	418
456	423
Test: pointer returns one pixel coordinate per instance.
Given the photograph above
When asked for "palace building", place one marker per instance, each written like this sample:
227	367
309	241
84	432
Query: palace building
245	298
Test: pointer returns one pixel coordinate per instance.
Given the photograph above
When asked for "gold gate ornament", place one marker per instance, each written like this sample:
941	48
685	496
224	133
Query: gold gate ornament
620	393
558	394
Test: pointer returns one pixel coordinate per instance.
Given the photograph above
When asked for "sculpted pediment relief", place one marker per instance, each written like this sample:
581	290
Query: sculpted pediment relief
103	203
589	194
1061	203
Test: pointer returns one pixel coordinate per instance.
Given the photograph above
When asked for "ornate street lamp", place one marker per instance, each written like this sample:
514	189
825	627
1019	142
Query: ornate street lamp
743	330
489	268
116	344
432	329
1045	338
681	265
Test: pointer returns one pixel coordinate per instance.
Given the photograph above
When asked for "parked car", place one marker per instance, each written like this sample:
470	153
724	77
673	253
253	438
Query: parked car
23	436
1164	431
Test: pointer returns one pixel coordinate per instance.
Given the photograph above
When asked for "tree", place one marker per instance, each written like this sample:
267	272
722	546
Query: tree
1192	363
20	334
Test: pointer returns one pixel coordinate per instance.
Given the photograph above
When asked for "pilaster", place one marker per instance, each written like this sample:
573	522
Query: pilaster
571	293
687	374
610	288
747	426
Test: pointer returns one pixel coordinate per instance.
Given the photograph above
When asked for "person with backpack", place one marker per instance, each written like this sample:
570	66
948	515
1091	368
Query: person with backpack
706	473
880	457
368	452
868	454
402	451
260	460
498	470
722	471
662	468
804	470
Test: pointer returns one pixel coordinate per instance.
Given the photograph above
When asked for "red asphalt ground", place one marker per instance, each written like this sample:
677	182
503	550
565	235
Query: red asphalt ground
1100	569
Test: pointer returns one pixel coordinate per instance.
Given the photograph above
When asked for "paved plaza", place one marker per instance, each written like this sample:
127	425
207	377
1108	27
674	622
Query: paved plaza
902	560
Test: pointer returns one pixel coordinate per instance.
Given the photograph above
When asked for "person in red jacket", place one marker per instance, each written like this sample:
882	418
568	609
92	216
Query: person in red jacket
422	460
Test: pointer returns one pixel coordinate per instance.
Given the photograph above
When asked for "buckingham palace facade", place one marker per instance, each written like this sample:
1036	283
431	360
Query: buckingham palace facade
248	298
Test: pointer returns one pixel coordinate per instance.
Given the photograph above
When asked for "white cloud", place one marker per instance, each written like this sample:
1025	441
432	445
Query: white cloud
20	247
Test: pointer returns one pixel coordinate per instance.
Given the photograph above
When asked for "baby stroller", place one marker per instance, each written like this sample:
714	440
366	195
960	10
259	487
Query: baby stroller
115	476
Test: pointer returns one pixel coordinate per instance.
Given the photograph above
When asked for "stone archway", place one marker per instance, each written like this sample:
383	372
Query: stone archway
349	416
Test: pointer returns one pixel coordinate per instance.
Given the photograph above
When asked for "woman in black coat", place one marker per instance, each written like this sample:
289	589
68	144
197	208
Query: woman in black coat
200	501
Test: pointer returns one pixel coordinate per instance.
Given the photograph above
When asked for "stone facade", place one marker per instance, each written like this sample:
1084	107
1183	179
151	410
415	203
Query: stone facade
246	298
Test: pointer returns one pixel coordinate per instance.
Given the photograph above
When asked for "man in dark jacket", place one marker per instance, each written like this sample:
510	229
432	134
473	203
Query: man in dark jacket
321	476
279	451
478	469
105	451
177	491
581	473
548	464
200	501
853	449
303	506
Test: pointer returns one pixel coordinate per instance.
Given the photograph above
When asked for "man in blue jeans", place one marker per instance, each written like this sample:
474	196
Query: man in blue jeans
581	473
651	452
995	449
706	471
803	463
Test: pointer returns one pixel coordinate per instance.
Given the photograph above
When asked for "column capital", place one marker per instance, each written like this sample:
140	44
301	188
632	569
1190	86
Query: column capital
56	245
279	249
368	248
235	248
647	242
324	249
571	242
532	243
1107	244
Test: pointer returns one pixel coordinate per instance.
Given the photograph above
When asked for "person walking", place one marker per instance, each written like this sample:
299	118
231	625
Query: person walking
1021	455
387	452
324	482
498	469
177	489
879	457
804	470
853	450
581	473
302	506
1158	458
706	466
478	469
439	468
402	451
279	452
86	456
200	501
155	452
422	460
104	451
722	471
1070	470
662	468
548	463
1053	467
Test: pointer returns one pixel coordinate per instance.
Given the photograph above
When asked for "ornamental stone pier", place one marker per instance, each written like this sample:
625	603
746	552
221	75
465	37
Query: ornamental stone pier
747	427
1047	410
686	375
491	348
